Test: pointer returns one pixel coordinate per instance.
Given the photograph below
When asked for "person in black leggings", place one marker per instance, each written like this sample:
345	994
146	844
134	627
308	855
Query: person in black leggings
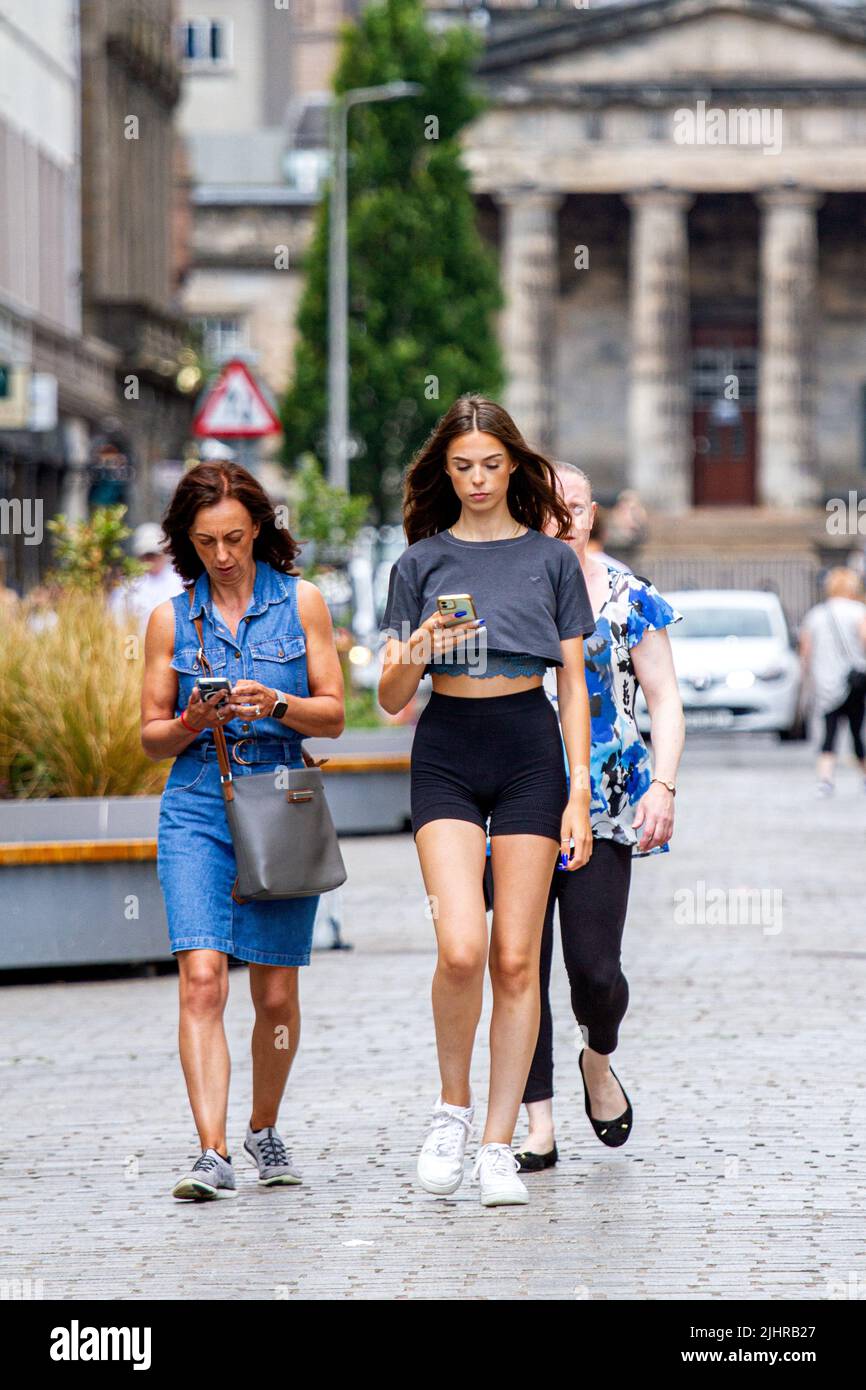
833	661
632	814
593	903
596	903
854	710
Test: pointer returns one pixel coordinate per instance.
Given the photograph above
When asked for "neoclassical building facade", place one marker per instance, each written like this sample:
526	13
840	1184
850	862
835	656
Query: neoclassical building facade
677	189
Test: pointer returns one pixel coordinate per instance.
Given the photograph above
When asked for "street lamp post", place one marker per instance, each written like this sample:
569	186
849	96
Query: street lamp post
338	274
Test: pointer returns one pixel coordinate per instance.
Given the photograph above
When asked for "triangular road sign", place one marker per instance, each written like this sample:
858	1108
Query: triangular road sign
235	408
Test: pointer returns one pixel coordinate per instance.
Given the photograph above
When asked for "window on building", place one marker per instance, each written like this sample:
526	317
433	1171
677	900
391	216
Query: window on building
717	370
222	335
206	43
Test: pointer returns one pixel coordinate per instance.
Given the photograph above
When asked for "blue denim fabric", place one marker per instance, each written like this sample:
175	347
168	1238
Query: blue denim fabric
270	647
195	857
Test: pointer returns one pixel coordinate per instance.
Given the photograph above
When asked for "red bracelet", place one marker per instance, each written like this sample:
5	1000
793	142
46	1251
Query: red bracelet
188	726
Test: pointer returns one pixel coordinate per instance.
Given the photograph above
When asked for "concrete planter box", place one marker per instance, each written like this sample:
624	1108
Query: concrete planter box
78	875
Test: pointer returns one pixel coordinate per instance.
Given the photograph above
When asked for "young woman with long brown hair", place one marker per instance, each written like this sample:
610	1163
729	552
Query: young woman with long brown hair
476	500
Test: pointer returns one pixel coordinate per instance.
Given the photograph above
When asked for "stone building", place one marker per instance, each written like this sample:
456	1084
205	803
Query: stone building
254	117
91	259
42	339
676	192
132	178
679	188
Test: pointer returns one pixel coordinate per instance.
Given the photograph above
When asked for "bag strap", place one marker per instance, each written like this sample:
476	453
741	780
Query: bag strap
218	733
841	641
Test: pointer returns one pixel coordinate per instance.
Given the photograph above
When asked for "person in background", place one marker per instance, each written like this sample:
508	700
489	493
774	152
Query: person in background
39	607
833	662
628	521
138	597
632	814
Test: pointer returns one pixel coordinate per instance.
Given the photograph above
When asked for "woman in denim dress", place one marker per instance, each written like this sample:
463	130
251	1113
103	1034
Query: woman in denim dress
270	633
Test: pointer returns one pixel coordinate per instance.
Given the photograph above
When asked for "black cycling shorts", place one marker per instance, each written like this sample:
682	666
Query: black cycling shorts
498	756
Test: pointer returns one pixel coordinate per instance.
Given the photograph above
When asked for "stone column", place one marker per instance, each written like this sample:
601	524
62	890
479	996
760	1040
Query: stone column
661	444
787	454
529	262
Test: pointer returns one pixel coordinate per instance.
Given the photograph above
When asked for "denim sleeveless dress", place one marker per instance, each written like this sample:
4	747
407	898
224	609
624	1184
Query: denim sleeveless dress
195	855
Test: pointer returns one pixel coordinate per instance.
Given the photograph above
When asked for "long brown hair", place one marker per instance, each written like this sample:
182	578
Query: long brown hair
204	486
430	504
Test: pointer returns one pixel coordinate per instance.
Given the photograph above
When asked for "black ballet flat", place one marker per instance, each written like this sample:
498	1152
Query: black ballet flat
534	1163
614	1133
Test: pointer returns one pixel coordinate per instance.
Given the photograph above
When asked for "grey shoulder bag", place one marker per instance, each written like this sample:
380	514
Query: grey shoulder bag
281	827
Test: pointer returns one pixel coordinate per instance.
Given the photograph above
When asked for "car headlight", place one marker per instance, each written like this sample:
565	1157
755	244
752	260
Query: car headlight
739	680
772	673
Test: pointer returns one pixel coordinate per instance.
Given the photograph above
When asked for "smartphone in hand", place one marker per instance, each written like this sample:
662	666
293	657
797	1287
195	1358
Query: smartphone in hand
209	686
457	608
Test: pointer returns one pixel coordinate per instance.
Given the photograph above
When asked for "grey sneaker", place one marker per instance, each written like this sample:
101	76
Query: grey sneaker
268	1152
210	1175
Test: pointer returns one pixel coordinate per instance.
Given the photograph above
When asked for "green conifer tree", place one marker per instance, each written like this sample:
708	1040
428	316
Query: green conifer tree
423	285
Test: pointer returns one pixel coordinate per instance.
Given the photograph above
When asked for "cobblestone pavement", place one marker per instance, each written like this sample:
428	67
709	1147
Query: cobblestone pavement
742	1051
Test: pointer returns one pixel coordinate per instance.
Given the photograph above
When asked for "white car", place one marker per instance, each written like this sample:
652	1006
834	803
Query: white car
735	663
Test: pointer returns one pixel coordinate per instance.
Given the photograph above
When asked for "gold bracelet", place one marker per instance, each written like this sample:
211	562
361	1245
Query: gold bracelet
670	786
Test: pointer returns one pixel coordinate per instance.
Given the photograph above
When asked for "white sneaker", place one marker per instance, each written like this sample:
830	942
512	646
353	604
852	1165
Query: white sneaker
496	1169
440	1162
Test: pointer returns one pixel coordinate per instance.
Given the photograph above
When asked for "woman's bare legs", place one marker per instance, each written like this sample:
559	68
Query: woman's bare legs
204	1053
276	1034
451	854
522	867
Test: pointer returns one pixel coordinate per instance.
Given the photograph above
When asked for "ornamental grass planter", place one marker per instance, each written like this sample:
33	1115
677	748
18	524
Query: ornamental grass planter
78	882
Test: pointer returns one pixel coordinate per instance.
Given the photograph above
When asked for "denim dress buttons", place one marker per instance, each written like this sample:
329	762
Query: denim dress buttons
195	855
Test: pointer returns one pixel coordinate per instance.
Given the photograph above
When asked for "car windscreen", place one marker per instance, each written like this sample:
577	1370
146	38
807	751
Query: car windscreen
722	622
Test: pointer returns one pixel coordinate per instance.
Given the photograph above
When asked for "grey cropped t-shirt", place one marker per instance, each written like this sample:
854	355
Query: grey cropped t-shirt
529	589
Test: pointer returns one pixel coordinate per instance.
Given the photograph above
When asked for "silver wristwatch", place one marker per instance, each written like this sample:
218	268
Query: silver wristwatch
281	705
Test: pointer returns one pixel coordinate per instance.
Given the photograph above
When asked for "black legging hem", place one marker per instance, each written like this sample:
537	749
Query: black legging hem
852	708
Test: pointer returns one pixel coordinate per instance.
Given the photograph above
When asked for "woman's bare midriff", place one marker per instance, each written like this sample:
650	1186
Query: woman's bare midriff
483	686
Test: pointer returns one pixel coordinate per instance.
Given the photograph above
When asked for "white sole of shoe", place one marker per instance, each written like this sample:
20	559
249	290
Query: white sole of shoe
500	1199
192	1190
438	1189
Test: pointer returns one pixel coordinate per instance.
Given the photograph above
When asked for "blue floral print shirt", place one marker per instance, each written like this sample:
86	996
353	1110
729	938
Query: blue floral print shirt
620	769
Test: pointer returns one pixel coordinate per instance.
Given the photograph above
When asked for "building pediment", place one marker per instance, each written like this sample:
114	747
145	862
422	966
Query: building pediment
713	44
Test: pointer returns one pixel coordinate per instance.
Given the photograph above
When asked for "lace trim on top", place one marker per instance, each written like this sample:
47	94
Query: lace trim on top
498	664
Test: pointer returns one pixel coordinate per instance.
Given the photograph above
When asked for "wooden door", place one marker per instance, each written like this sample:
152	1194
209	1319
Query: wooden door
724	391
